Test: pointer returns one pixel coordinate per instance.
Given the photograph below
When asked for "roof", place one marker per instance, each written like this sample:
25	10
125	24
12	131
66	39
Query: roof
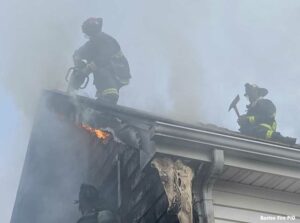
161	135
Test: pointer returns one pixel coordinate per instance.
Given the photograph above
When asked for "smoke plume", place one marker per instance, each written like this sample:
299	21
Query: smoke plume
39	46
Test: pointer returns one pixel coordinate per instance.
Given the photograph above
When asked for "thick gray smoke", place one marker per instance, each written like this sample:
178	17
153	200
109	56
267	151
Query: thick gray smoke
39	42
43	36
188	58
40	37
178	43
166	65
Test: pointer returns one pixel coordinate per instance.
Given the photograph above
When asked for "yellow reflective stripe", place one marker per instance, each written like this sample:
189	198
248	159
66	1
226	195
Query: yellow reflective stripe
274	126
266	126
269	134
270	131
251	119
110	91
124	82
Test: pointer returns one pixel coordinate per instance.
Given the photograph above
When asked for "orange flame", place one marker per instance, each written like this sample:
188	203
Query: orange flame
103	135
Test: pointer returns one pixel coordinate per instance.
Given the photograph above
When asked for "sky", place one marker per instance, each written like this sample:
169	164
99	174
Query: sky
188	58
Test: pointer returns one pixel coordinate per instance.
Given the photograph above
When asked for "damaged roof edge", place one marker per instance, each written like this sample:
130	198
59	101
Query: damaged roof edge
171	131
137	114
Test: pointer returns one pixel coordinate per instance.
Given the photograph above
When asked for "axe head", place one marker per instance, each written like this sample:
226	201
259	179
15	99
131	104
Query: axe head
234	102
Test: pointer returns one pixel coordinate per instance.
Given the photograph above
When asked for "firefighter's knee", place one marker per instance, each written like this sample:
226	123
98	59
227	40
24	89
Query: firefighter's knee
111	98
110	95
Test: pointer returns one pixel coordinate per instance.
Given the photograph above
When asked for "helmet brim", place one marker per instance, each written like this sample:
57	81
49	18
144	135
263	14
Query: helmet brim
261	92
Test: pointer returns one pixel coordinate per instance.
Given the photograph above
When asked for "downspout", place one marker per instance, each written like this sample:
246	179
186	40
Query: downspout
204	184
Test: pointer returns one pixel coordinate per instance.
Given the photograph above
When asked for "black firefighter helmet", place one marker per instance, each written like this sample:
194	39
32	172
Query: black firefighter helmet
92	26
253	91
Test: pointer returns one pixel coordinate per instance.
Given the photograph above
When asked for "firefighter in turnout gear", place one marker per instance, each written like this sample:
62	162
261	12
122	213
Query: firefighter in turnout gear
259	121
93	207
103	57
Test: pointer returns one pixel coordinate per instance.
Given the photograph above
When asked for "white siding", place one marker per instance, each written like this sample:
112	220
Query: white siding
234	202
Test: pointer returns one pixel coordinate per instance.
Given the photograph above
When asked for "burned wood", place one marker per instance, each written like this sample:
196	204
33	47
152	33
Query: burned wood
177	179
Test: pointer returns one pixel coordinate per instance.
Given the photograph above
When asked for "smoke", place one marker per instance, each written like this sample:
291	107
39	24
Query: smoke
168	40
178	38
37	41
185	81
43	35
40	37
40	42
182	41
188	58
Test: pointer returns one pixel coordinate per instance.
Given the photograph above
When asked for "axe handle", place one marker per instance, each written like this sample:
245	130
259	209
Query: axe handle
236	111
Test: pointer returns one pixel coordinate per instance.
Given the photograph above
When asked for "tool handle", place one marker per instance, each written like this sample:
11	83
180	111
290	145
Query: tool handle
237	111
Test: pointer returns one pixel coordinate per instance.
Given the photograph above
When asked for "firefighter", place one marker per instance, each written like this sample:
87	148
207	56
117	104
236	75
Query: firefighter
259	121
92	207
102	56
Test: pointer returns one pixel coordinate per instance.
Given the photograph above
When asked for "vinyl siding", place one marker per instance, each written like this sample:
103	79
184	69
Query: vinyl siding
234	202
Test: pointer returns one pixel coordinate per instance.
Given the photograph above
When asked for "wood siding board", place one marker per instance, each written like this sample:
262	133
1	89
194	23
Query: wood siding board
161	206
285	184
230	171
235	175
263	179
273	181
157	209
150	217
162	219
241	176
100	168
106	170
127	155
146	203
167	218
149	196
294	187
132	165
101	153
137	179
140	193
138	184
109	192
278	183
251	178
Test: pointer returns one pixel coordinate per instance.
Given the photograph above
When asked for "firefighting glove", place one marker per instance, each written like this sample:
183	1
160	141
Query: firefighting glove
89	68
76	80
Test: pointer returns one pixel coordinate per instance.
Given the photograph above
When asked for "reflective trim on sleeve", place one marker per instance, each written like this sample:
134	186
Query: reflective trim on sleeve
274	126
270	131
110	91
269	134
